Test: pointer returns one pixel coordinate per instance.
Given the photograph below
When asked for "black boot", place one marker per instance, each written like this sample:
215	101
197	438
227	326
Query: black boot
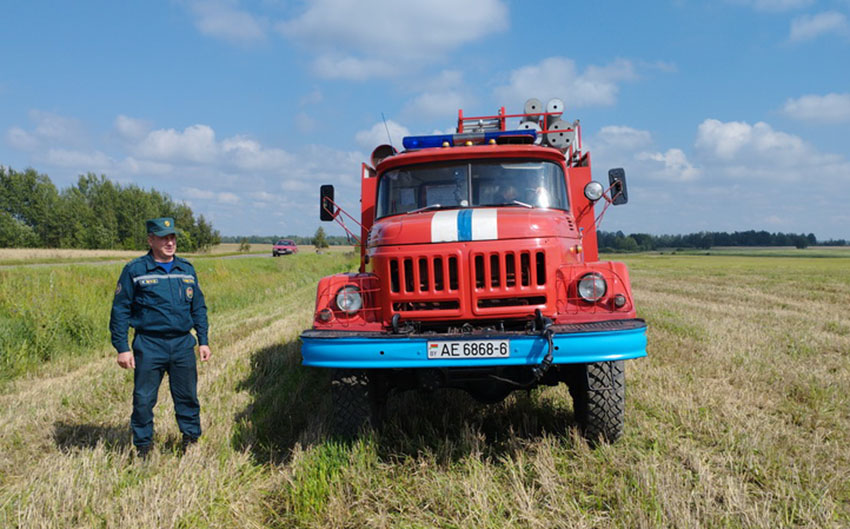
143	451
187	442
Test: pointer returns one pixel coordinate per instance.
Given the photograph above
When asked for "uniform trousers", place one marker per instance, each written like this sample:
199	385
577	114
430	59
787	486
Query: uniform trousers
156	355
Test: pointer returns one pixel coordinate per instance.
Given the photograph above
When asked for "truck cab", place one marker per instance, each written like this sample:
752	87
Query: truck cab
479	271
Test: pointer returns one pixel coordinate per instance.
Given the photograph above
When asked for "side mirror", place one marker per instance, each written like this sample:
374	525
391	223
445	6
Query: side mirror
327	210
617	180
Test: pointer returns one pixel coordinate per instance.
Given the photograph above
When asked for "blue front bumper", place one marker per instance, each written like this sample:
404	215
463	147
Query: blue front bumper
574	344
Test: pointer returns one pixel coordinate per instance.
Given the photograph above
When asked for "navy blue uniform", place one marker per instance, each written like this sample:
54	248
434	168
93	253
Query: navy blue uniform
163	307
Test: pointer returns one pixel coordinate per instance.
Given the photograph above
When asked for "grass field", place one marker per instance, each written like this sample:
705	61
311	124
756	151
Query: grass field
739	416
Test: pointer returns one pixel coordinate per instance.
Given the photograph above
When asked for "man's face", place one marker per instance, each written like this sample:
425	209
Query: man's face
163	247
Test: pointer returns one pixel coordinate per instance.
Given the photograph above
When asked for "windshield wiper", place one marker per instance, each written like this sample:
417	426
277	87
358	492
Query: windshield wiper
516	203
426	208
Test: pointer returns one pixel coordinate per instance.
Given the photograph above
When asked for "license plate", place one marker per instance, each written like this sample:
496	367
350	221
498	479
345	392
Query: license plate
469	349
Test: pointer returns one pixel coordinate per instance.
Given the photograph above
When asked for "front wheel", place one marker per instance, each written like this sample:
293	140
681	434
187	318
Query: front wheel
599	400
357	401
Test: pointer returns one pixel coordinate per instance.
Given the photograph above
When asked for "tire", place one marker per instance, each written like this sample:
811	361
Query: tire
599	400
357	403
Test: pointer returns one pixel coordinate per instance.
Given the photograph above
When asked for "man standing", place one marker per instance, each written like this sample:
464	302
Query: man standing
159	296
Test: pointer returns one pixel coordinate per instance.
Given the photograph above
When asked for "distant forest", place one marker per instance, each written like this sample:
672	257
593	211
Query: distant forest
332	240
95	213
643	242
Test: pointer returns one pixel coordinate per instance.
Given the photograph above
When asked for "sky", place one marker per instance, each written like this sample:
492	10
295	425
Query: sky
726	115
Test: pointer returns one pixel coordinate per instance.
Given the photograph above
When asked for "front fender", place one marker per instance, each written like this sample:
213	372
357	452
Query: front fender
327	315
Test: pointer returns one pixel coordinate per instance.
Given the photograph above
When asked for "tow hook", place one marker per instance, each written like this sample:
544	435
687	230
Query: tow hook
545	326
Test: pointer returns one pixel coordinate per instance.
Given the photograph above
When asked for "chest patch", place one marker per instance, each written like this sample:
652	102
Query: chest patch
190	293
149	281
189	280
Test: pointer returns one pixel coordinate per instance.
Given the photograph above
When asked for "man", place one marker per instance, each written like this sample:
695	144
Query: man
159	296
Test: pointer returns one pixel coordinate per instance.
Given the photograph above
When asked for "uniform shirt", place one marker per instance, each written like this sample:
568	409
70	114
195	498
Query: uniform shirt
154	301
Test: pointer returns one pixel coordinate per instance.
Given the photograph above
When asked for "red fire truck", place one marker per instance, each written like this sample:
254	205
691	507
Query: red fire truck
479	271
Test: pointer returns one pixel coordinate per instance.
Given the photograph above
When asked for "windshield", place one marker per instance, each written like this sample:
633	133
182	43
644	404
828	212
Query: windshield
284	242
519	183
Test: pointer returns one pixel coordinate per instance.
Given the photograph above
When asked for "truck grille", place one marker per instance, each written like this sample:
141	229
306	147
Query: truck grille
424	274
509	269
489	283
509	280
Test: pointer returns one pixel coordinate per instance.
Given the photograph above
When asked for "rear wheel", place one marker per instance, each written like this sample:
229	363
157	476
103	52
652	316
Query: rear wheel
599	400
358	403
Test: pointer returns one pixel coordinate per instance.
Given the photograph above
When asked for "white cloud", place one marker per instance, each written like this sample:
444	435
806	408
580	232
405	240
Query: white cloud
55	127
221	197
195	144
305	122
740	150
432	104
194	192
335	66
377	135
237	182
559	77
621	137
672	165
775	5
49	129
358	40
81	161
441	96
829	108
313	98
227	197
131	128
222	19
144	167
248	154
619	145
262	196
737	140
808	27
21	139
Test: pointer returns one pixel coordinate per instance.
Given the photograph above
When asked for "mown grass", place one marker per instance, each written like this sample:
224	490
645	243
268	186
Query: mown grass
739	417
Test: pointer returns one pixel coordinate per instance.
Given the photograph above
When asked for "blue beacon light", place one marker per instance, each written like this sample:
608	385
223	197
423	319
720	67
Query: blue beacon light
437	140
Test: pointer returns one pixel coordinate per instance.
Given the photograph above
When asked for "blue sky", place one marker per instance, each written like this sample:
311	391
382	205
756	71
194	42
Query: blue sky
726	115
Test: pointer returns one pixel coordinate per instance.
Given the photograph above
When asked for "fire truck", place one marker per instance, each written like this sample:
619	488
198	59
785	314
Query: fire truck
479	271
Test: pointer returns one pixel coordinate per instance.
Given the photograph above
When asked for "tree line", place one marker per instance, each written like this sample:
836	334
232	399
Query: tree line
332	240
96	213
642	242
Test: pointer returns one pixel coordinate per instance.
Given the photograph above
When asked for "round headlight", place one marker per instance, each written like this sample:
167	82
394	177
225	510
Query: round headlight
593	191
348	299
592	287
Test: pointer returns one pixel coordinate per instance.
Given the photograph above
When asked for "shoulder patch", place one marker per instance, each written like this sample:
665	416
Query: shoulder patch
118	289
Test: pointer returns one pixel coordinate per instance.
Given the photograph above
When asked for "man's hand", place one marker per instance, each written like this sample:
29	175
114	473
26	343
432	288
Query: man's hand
204	352
126	360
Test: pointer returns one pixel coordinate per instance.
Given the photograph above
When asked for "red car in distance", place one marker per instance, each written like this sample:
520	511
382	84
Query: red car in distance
284	247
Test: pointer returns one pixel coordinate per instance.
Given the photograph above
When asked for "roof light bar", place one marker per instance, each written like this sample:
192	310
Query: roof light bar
456	140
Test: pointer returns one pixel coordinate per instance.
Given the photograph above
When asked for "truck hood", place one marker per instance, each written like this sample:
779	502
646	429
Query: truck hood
472	224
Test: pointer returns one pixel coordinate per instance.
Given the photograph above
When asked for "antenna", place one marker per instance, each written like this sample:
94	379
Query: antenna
390	138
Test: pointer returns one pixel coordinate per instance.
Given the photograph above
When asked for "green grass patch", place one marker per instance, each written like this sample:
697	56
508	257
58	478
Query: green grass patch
59	312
